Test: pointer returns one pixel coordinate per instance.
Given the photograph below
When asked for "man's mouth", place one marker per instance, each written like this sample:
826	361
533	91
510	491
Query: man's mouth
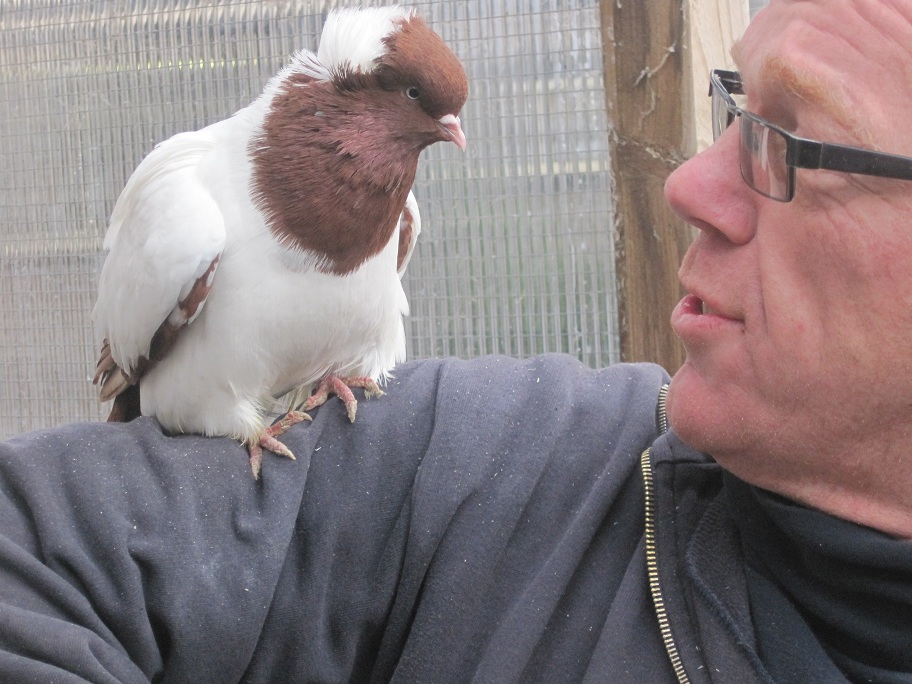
700	307
696	307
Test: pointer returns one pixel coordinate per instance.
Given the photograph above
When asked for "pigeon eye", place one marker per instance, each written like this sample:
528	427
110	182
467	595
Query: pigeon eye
413	93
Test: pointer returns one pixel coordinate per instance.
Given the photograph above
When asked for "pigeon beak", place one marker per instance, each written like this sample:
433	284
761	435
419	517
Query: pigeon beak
453	130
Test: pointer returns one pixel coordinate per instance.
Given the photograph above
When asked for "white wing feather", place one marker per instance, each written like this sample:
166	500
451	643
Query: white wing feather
411	207
165	231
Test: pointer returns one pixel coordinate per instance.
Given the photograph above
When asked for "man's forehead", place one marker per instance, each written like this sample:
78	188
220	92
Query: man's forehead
833	56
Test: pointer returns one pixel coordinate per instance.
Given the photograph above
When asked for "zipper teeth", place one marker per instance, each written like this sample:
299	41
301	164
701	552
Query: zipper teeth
663	419
652	568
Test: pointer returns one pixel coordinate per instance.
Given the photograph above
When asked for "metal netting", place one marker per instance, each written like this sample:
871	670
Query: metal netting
516	252
757	5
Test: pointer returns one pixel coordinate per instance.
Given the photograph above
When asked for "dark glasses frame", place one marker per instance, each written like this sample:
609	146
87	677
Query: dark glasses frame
801	153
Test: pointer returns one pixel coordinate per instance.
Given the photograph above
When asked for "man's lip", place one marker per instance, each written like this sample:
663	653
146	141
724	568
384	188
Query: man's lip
691	305
695	305
694	317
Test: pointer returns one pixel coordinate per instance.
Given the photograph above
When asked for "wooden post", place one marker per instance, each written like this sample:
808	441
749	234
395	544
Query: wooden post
657	61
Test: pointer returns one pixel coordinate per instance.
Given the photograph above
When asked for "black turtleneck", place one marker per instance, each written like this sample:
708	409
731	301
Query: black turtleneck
817	582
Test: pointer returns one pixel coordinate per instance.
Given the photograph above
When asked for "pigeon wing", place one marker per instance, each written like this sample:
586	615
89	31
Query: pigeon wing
409	229
166	236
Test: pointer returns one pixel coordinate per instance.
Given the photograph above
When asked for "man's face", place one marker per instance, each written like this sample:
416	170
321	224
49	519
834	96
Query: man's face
804	351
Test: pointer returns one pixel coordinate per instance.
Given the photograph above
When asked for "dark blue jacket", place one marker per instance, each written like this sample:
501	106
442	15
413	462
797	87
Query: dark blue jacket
484	521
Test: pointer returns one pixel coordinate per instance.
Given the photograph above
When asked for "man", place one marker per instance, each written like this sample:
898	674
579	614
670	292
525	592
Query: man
502	520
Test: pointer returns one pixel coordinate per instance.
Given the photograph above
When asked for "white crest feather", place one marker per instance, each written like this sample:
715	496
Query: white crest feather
306	62
354	37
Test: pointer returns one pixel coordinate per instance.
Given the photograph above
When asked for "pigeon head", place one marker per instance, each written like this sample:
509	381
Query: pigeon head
419	65
349	124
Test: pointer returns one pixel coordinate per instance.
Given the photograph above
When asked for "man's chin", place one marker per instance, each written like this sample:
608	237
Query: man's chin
700	415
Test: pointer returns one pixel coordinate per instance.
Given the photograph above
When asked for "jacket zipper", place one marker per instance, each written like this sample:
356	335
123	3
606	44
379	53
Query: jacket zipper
662	419
652	565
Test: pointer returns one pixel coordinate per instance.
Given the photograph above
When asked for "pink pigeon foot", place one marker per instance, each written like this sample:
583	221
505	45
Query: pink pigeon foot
267	440
342	388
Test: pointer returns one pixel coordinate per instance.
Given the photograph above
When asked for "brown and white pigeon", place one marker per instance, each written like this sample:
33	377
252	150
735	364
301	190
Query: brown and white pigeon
263	253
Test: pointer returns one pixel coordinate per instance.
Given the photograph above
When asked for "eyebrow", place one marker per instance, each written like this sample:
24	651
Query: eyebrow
812	89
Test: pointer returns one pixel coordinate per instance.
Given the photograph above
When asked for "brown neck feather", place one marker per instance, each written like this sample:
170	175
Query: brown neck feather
332	169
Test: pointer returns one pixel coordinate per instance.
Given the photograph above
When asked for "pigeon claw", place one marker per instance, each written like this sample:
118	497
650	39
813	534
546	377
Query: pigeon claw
267	440
342	388
330	384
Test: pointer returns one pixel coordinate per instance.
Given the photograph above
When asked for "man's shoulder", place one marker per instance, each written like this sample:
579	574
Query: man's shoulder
540	389
559	364
544	435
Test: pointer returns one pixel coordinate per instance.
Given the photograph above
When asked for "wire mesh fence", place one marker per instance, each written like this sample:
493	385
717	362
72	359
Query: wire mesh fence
515	255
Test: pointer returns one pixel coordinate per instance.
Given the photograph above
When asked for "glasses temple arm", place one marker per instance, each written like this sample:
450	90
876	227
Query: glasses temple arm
816	155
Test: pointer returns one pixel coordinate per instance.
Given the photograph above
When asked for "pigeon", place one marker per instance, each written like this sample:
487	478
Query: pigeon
261	256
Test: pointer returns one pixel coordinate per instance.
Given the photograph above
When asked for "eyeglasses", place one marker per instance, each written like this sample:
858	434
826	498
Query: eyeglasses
769	155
